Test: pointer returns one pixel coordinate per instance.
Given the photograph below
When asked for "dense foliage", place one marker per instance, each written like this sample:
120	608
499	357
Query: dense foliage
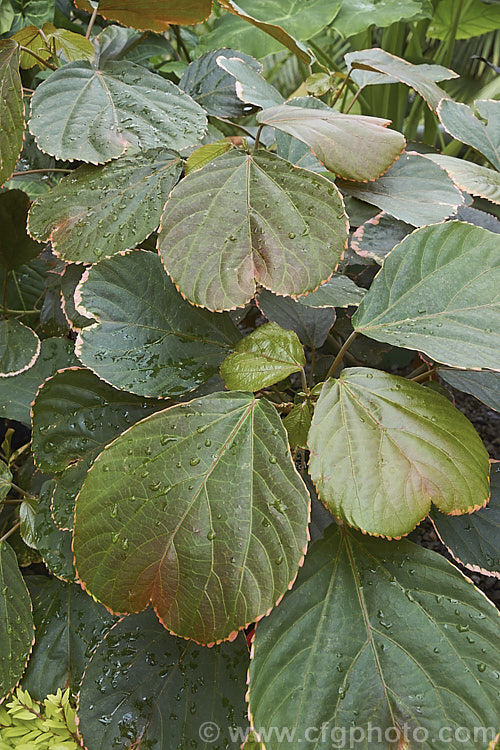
247	251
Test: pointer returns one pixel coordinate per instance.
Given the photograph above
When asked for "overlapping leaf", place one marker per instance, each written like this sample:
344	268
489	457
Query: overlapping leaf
356	16
473	178
376	634
298	424
147	339
472	18
43	41
53	543
438	291
384	448
310	324
5	480
299	20
151	521
251	87
244	220
484	385
355	147
155	15
156	690
12	109
339	291
19	348
95	115
376	237
460	121
98	211
70	278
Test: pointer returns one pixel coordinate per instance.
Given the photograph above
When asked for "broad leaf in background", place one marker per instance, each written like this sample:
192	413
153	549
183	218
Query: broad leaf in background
70	278
151	522
473	540
483	385
245	220
356	16
352	146
376	634
384	448
19	348
339	291
35	12
118	43
16	246
155	15
12	109
264	357
43	41
298	424
413	190
5	480
53	544
302	21
251	87
98	211
147	339
212	87
460	121
17	633
467	18
155	690
473	178
122	107
69	625
311	325
375	66
439	292
376	237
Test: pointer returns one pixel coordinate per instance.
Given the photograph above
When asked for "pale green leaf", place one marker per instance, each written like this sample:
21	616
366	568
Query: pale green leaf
205	154
27	511
298	424
356	16
5	480
473	18
473	178
483	134
12	109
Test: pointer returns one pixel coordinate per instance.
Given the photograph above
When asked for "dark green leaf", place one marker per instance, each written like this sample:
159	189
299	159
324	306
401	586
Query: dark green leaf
16	247
151	521
339	291
251	87
67	485
483	385
70	278
310	324
12	110
53	544
462	123
19	348
473	178
156	15
36	12
376	237
298	423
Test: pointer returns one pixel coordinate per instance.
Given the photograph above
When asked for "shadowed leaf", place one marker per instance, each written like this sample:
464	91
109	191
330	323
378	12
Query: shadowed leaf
12	110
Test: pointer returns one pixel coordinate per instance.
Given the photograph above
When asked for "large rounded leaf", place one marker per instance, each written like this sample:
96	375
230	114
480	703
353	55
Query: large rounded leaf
19	348
439	292
96	115
99	211
144	688
148	340
383	448
377	637
245	220
16	621
156	15
12	109
358	15
152	521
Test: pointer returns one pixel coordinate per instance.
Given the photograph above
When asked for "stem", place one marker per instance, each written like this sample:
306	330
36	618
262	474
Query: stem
304	380
313	365
180	43
91	22
11	531
257	137
23	492
37	57
13	502
7	311
338	359
424	375
39	171
4	297
341	89
236	125
353	101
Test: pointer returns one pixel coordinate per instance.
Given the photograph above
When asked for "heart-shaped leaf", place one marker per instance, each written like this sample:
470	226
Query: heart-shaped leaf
356	16
483	385
472	19
438	291
12	109
384	448
157	691
265	357
383	640
16	246
147	339
473	178
245	220
121	107
19	348
155	15
377	236
151	522
311	325
299	20
98	211
355	147
460	121
17	632
339	291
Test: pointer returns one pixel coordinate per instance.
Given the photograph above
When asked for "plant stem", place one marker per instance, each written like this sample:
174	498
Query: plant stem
180	43
39	171
37	57
424	375
313	365
340	89
7	311
4	296
257	137
338	359
11	531
305	387
91	22
23	492
353	101
417	371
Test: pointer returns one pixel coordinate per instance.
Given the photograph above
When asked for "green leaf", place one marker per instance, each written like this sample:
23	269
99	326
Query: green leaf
147	339
355	147
296	151
251	87
70	278
376	635
53	544
16	247
17	392
72	46
16	621
245	220
384	448
269	354
311	325
356	16
413	190
473	178
438	292
339	291
67	485
483	385
156	15
212	87
232	31
35	12
473	540
376	237
5	480
472	18
98	211
205	154
375	66
302	21
27	511
121	107
117	43
6	16
151	523
12	109
462	123
157	691
298	423
19	348
69	627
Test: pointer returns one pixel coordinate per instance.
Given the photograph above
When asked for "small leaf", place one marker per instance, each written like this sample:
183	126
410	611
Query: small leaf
155	690
298	424
5	480
16	247
53	544
438	292
266	356
483	385
156	15
376	635
121	107
355	147
147	339
152	524
473	178
462	123
251	87
247	219
27	511
311	325
473	18
205	154
383	448
16	621
12	109
339	291
19	348
377	236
